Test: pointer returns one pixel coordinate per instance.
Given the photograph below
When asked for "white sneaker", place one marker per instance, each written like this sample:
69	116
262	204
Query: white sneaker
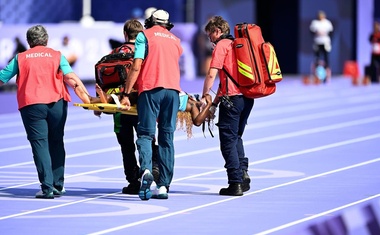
56	192
160	193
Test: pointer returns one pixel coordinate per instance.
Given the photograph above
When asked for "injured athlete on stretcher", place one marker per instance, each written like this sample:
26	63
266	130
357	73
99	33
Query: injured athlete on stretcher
190	112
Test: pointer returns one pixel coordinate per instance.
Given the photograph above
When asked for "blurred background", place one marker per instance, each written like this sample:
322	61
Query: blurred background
88	25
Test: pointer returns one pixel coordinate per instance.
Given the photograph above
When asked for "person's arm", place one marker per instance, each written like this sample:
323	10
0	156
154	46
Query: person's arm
130	82
208	84
80	90
9	71
209	80
73	81
200	116
140	49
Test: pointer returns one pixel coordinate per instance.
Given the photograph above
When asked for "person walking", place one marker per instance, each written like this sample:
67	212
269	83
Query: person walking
156	71
234	108
42	97
125	124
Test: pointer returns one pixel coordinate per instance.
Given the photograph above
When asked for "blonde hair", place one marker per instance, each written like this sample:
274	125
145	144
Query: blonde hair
185	122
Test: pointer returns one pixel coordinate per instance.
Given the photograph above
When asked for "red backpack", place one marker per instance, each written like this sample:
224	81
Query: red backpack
111	70
258	68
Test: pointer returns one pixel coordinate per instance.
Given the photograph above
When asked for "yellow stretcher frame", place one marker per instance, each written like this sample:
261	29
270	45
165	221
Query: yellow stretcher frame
107	108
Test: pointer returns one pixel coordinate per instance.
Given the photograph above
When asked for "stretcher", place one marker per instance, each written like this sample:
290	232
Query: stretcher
107	108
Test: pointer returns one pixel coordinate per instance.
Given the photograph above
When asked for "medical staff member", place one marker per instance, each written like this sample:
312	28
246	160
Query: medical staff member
234	108
42	97
156	70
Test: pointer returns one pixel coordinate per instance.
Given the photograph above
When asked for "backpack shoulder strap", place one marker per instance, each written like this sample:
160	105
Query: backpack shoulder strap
231	78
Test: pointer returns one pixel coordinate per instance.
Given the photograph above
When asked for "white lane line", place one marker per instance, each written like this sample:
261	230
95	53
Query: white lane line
319	148
284	226
57	206
68	140
208	173
260	112
86	153
249	127
66	177
283	156
231	198
67	128
316	130
314	116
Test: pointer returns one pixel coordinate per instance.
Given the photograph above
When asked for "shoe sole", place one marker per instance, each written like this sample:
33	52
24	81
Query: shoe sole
130	191
161	196
145	193
225	194
49	196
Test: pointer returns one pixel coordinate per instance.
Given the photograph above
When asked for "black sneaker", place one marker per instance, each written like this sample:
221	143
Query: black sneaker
246	181
156	173
155	169
41	194
233	189
132	188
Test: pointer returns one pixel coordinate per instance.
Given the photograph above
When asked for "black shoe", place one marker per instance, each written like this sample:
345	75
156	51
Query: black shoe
233	189
155	169
156	173
132	188
43	195
246	181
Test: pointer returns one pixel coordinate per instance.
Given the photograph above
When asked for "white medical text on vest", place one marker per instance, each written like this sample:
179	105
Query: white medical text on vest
41	54
164	35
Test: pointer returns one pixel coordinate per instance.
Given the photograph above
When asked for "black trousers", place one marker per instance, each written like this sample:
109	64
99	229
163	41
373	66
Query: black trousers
320	53
126	139
231	124
44	125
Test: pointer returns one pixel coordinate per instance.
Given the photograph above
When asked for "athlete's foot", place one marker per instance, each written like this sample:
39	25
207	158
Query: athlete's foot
101	93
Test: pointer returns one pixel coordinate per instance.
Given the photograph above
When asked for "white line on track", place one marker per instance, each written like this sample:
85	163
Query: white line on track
249	127
208	173
57	206
284	226
297	153
235	198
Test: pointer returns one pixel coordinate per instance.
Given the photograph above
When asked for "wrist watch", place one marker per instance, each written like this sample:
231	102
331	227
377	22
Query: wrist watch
124	94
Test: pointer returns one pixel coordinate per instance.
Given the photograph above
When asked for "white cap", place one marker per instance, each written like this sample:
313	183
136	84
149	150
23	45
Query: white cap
161	16
148	12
